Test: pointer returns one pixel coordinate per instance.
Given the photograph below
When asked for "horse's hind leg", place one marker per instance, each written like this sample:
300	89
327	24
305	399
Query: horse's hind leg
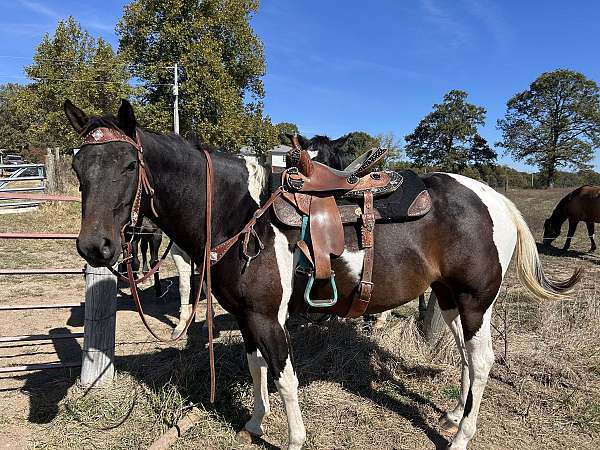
155	241
480	358
451	420
184	269
267	342
570	234
590	228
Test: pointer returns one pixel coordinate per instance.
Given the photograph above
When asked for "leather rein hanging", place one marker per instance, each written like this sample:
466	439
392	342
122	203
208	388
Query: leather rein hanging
103	135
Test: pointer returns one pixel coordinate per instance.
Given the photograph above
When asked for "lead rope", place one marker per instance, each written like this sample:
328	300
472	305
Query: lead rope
205	273
206	266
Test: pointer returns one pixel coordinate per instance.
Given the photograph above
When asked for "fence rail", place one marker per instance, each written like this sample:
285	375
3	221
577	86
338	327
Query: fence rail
98	350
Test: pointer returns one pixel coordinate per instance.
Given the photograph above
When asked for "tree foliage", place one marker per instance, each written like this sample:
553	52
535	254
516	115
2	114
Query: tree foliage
221	64
284	129
553	124
358	142
69	64
445	136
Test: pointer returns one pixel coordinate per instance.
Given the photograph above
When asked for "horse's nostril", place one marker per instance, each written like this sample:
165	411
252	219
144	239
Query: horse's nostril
106	248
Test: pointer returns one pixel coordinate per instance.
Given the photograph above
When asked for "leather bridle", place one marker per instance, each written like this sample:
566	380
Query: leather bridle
103	135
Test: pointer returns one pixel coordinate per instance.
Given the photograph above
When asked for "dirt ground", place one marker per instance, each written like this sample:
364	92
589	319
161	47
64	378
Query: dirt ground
356	390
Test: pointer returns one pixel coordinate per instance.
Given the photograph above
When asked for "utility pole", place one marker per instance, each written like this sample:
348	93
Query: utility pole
175	101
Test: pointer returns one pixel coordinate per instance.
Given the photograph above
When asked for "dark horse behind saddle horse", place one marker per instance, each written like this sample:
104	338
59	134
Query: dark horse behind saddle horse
461	248
581	205
143	238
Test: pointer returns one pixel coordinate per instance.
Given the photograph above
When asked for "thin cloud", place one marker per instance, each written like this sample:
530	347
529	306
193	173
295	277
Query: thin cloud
492	19
445	23
40	8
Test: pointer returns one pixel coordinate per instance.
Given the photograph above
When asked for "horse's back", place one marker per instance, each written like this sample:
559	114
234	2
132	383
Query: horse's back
584	204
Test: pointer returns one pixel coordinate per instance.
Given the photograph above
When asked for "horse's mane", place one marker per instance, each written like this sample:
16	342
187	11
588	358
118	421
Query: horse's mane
110	121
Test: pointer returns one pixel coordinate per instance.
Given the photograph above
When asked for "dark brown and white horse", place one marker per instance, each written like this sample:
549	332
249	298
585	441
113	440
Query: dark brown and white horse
580	205
462	249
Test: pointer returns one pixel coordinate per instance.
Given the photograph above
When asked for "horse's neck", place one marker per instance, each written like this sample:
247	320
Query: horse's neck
178	176
559	214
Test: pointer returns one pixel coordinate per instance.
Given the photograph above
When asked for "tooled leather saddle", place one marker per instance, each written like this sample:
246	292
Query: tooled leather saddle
320	200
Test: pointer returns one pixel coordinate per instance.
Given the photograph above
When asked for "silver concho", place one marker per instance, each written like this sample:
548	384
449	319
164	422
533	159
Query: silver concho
97	135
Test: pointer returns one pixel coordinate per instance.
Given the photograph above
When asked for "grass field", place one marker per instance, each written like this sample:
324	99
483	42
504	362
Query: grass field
356	391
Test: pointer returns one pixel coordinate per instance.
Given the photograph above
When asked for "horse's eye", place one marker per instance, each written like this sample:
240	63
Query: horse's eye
131	166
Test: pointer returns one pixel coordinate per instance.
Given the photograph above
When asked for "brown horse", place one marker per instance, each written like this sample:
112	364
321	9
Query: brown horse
462	249
581	205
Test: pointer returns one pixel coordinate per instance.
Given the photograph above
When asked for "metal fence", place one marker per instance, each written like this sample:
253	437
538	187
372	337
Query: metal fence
22	178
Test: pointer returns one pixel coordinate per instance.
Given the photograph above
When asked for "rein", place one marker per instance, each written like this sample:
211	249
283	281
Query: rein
211	255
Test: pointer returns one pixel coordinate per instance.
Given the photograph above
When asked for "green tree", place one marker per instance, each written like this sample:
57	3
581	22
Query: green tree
553	124
358	142
480	153
14	117
284	129
70	64
394	146
444	137
221	64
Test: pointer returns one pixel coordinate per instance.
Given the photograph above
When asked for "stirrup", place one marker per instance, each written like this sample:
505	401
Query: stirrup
321	302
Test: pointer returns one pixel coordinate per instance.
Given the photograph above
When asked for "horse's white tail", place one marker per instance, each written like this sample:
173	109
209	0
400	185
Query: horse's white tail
529	266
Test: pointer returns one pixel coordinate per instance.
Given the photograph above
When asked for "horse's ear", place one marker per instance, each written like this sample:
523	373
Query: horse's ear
126	119
76	116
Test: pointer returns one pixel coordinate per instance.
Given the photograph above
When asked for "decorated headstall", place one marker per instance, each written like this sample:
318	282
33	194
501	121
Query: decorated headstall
104	135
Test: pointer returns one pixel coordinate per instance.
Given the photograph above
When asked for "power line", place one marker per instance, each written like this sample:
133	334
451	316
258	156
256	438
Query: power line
132	65
76	80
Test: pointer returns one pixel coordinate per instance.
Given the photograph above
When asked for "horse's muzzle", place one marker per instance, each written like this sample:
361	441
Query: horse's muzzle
98	251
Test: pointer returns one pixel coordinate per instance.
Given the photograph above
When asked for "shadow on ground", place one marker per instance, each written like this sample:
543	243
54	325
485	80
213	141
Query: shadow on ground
334	352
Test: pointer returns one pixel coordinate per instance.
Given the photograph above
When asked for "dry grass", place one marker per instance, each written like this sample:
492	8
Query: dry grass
356	390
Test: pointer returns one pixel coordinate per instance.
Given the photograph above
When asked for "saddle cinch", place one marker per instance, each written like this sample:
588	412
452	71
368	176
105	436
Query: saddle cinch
320	200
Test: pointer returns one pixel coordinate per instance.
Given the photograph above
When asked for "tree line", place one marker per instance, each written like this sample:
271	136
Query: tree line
553	125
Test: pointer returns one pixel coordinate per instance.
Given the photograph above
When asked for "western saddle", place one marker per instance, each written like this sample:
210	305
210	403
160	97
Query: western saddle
310	201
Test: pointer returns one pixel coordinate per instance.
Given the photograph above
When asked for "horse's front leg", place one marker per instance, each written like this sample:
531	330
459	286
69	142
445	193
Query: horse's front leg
570	234
268	346
590	228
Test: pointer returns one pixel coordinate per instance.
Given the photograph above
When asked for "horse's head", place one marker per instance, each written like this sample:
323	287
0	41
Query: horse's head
107	174
327	151
551	231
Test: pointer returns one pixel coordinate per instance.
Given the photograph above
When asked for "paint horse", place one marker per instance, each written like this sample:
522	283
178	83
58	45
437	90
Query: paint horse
581	205
143	238
461	248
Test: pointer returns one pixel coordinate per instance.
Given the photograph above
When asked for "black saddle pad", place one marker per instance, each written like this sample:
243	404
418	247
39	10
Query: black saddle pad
392	207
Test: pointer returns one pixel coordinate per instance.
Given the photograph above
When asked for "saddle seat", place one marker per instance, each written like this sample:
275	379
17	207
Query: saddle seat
310	201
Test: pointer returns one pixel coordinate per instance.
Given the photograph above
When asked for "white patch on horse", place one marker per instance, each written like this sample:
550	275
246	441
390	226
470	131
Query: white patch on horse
258	370
285	264
505	231
452	319
313	153
480	356
354	263
257	178
287	385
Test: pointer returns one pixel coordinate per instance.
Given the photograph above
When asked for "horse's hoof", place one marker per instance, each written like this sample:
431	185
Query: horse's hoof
448	424
244	437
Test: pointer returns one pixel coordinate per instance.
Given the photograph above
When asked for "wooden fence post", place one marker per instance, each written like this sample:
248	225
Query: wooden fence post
50	172
58	171
98	354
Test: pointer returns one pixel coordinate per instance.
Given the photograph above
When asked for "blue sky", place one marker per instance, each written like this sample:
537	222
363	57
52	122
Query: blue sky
335	67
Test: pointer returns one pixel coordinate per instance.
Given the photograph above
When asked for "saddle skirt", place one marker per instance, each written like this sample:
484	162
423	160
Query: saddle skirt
405	198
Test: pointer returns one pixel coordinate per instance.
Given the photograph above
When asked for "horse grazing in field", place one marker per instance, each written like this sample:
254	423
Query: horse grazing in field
581	205
461	248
